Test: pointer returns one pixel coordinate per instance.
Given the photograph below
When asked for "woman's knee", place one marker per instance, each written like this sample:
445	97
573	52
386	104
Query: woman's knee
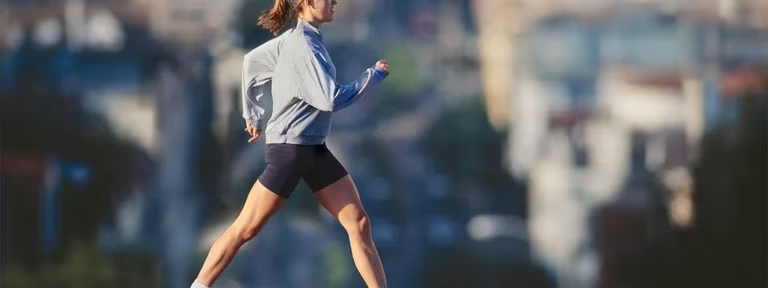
244	232
248	233
357	225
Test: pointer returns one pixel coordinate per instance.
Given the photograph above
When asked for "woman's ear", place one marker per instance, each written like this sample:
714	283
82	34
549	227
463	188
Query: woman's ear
310	3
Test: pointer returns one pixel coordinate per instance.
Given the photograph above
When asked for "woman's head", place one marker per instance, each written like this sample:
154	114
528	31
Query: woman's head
318	11
315	12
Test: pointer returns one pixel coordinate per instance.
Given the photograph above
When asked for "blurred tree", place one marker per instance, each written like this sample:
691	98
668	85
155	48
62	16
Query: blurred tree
463	145
46	124
727	246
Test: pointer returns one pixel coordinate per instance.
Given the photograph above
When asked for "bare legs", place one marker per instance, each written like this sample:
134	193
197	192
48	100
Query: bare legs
342	200
260	205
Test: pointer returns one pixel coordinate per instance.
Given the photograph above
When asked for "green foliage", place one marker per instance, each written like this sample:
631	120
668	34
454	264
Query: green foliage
84	266
402	88
336	266
404	79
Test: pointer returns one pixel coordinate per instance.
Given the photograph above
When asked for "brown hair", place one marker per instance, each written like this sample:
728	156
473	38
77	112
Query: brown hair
282	12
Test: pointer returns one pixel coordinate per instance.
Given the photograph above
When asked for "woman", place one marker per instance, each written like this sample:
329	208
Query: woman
302	78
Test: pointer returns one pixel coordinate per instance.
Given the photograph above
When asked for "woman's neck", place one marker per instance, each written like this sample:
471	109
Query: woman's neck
309	19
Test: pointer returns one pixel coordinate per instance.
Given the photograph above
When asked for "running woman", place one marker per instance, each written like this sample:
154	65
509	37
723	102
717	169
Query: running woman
305	95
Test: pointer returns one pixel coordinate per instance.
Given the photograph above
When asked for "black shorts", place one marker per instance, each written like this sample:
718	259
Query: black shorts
287	163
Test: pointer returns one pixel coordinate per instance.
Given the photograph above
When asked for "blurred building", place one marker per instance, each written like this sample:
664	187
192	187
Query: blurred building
605	98
501	24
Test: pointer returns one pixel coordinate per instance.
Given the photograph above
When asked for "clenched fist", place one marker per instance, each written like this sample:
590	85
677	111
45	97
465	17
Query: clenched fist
382	64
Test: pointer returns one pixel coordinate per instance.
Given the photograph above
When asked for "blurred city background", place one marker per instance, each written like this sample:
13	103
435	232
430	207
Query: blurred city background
517	143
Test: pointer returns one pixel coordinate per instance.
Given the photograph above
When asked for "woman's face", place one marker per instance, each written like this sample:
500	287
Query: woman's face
321	10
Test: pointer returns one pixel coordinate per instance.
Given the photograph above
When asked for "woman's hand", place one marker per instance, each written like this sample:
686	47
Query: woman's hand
382	64
255	133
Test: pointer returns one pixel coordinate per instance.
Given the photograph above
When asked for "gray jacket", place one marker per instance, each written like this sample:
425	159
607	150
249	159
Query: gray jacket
304	89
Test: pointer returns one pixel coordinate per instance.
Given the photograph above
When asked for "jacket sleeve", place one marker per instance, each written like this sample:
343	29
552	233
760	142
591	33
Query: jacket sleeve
321	90
257	70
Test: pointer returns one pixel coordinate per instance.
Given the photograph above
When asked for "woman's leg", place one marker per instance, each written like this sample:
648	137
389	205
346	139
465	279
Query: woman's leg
342	200
260	205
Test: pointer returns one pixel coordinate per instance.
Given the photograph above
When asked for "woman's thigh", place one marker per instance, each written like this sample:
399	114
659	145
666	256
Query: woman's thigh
342	200
260	205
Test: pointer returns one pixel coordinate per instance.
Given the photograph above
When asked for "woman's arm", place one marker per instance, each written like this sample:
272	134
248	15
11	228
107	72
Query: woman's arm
258	67
321	90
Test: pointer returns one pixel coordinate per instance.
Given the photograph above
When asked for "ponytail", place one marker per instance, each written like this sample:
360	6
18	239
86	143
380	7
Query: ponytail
275	19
